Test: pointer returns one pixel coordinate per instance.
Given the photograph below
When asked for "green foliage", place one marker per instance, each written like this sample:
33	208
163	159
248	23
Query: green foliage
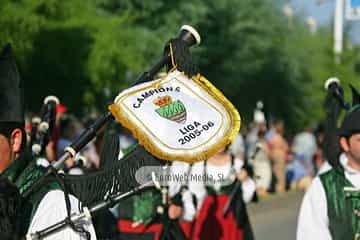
86	52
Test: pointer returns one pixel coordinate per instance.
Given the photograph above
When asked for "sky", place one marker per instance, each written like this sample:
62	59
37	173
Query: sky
323	12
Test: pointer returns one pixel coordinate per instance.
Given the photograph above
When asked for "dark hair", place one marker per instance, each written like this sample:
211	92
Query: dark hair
6	128
67	125
350	124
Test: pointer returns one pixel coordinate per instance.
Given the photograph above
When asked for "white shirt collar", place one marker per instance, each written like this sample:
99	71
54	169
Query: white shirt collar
344	162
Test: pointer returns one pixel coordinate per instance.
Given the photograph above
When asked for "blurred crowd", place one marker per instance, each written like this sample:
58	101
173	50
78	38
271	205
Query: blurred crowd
278	160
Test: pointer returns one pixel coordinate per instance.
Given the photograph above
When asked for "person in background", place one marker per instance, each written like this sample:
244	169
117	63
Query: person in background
237	147
55	136
278	152
262	164
321	164
252	136
304	145
223	180
67	134
181	195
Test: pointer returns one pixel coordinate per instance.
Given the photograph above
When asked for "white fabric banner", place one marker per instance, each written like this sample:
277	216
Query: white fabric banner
175	118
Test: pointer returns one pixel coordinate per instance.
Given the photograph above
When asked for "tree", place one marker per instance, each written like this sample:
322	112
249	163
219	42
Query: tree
88	51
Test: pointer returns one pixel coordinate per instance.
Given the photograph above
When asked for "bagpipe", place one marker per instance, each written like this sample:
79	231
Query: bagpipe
41	129
87	213
173	131
187	35
111	179
35	121
333	104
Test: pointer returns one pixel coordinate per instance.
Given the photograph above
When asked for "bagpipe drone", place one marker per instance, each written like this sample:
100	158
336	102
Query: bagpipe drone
334	103
41	129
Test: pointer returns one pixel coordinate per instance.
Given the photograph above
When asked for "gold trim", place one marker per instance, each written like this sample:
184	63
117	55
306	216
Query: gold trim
144	140
172	57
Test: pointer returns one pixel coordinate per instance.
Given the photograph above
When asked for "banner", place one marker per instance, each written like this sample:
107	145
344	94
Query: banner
177	118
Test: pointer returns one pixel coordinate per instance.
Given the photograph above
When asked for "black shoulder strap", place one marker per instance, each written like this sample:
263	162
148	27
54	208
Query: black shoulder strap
233	170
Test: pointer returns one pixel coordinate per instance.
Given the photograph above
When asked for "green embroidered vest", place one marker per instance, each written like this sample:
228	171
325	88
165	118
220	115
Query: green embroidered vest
140	207
23	172
343	206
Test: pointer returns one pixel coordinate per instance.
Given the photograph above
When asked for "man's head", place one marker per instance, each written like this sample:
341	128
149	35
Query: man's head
349	134
351	146
11	143
11	109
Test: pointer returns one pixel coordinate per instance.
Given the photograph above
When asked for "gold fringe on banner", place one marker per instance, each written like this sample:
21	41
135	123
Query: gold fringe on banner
230	134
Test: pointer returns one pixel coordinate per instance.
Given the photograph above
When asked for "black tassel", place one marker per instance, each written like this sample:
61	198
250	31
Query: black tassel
181	56
331	148
116	178
110	150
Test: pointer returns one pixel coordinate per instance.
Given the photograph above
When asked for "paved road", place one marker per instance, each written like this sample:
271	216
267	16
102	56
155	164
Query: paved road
275	218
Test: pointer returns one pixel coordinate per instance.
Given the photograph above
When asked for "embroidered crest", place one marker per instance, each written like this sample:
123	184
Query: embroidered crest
174	111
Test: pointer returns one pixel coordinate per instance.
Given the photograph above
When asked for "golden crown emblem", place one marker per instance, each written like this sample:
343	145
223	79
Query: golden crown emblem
162	101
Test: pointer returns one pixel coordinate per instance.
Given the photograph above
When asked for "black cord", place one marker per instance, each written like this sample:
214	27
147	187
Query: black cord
77	228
